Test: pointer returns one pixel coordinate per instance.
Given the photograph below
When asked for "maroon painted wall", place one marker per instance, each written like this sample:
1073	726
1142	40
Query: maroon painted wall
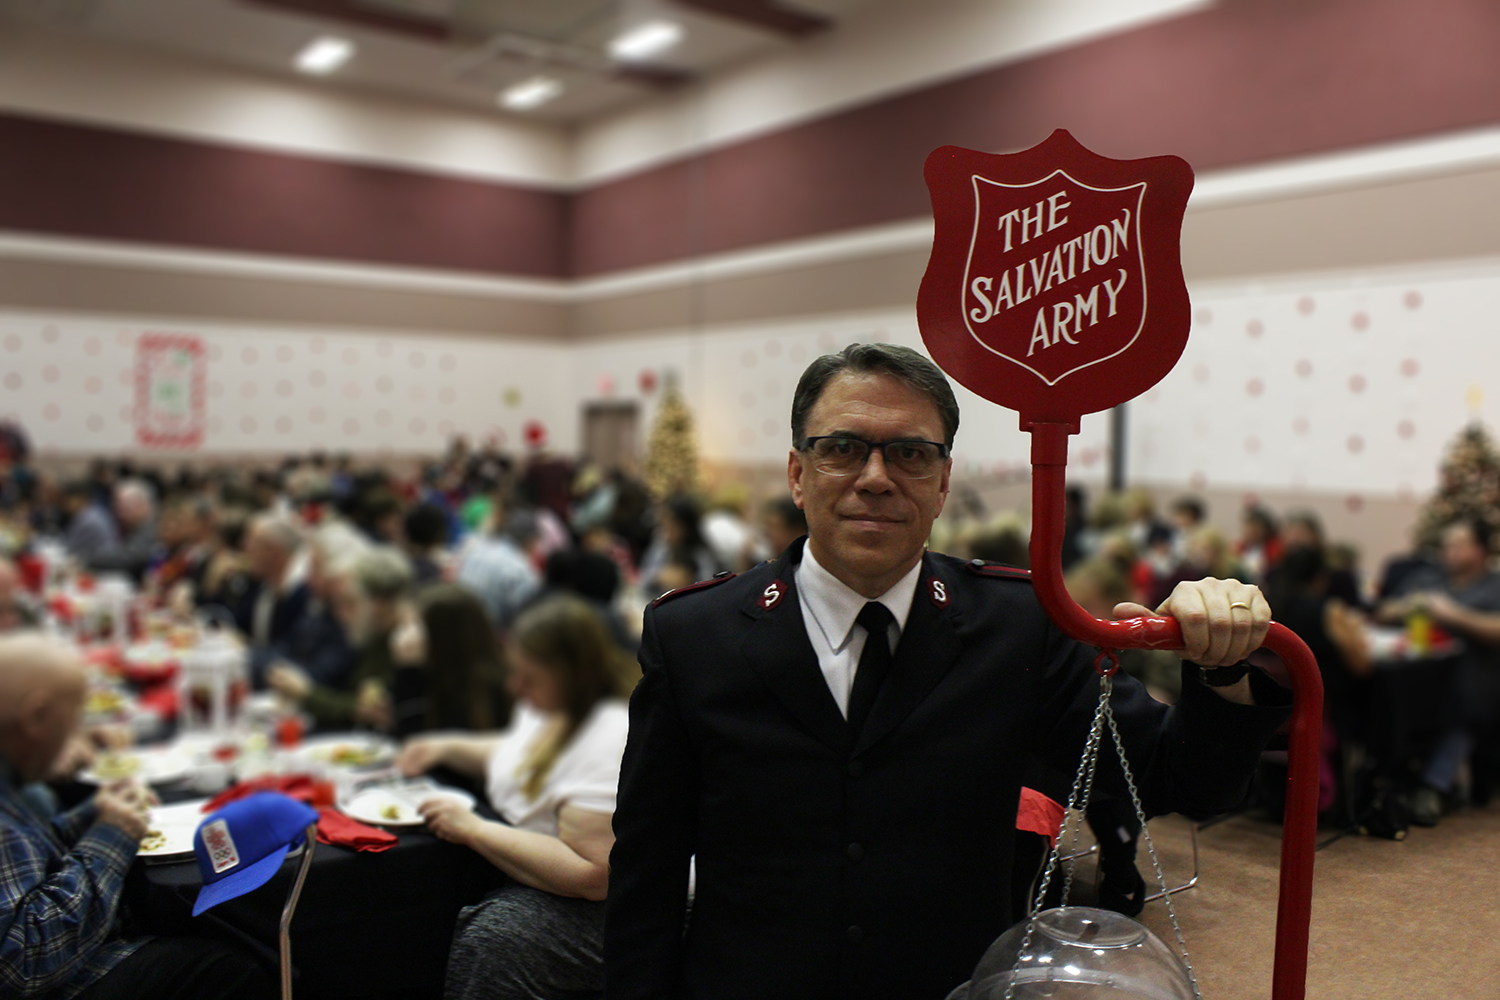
1244	81
87	181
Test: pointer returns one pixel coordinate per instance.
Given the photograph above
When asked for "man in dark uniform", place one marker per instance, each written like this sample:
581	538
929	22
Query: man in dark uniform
851	806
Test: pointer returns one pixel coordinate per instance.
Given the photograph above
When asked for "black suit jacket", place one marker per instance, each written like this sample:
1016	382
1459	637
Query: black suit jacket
875	867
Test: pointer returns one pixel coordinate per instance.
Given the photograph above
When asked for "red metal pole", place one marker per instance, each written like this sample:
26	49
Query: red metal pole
1049	459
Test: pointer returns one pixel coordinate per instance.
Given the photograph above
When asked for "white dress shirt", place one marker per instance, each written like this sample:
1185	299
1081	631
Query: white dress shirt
829	607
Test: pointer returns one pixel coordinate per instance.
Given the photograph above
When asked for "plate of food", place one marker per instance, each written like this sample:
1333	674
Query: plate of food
398	805
349	750
170	831
151	765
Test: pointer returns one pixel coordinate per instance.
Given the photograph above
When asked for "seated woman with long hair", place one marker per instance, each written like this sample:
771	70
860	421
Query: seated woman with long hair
552	777
449	671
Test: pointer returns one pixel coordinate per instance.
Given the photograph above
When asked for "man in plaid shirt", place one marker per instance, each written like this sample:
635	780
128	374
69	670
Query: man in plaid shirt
61	876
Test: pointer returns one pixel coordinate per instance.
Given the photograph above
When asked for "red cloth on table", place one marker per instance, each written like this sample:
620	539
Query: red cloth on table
1038	814
336	828
333	826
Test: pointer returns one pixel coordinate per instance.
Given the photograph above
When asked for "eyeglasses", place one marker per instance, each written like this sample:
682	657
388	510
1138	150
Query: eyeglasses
841	455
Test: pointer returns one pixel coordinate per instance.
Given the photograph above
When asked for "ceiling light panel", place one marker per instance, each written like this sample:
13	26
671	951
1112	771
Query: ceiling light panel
324	55
646	40
531	93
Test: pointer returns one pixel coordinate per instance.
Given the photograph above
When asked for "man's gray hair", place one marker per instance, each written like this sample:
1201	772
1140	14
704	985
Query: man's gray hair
282	530
383	574
901	363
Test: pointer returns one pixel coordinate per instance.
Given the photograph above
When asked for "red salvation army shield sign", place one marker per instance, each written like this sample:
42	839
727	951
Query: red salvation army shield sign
1055	285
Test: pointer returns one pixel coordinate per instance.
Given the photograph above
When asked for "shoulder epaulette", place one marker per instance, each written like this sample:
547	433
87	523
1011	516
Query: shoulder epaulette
712	581
983	567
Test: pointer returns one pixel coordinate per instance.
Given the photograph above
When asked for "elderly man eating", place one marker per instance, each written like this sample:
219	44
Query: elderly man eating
61	876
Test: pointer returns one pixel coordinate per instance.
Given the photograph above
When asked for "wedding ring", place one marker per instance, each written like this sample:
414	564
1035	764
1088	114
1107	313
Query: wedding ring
1240	604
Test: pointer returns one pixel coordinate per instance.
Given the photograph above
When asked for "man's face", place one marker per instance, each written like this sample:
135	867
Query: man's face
1462	553
265	556
869	526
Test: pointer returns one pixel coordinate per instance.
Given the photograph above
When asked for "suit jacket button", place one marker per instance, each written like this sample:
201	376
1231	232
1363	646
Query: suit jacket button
856	769
855	934
855	851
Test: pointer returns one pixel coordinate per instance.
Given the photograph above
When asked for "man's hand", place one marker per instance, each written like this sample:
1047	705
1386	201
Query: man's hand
372	706
1222	620
288	681
124	805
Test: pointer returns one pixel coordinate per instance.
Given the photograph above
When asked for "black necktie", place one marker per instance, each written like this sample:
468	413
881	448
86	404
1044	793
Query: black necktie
874	663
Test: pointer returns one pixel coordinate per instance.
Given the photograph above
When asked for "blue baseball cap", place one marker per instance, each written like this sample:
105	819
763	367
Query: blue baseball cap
242	845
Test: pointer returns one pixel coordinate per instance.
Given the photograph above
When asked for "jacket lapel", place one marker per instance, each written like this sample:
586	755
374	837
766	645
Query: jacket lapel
777	647
928	648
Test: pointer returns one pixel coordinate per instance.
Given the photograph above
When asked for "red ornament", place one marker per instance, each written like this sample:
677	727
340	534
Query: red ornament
1043	264
647	380
535	433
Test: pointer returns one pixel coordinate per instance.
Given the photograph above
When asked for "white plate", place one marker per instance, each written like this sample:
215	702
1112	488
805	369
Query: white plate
152	766
176	824
397	806
348	750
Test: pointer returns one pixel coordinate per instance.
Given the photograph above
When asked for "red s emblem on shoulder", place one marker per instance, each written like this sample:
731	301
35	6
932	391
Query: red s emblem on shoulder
771	596
938	591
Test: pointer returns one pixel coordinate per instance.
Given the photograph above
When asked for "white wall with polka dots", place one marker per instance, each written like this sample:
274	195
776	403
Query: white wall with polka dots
1345	384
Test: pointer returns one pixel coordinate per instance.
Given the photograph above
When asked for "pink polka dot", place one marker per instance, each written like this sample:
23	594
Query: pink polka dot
1355	444
748	400
769	428
350	356
383	384
127	413
1410	367
747	437
447	362
1197	480
445	427
50	374
93	385
248	390
249	355
1360	321
215	352
1356	383
124	338
416	359
748	359
383	418
13	381
285	354
215	425
446	395
284	388
351	426
316	415
1255	328
51	411
1406	428
247	425
1204	316
1300	425
215	390
383	348
92	347
284	424
1354	503
826	341
417	425
49	334
95	423
316	378
1255	387
351	390
127	377
1412	299
1303	368
1252	444
773	348
417	393
1306	305
1200	373
316	345
13	343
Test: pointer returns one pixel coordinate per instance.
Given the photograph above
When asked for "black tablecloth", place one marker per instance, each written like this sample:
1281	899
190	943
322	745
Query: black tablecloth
1407	707
368	924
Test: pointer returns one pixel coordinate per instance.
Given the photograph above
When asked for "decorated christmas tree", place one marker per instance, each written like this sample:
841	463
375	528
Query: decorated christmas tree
672	450
1468	485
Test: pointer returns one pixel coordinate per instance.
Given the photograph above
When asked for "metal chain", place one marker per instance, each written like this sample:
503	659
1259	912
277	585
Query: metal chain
1140	814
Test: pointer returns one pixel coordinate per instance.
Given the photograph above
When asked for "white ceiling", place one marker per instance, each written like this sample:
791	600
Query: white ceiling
492	43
